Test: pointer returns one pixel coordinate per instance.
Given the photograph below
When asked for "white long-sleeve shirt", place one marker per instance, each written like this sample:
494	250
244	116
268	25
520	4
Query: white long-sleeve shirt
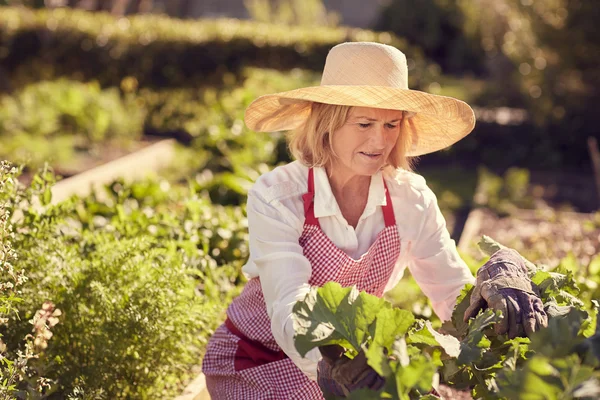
276	219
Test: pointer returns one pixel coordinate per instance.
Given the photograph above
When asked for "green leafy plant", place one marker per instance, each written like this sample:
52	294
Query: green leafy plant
504	194
292	12
21	375
48	121
160	52
561	360
142	278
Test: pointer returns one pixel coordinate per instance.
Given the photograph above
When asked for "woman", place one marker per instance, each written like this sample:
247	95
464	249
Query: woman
348	210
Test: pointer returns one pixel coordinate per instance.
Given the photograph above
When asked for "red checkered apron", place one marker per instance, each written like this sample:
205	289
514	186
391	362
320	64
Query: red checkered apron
242	359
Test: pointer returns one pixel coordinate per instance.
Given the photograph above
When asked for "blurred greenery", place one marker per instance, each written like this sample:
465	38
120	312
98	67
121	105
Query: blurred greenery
540	55
292	12
441	28
158	51
50	121
142	278
508	53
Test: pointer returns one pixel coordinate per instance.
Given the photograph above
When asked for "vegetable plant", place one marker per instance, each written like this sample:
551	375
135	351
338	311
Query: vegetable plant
560	361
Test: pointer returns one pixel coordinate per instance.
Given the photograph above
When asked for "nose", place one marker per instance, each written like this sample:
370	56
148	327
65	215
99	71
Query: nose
378	138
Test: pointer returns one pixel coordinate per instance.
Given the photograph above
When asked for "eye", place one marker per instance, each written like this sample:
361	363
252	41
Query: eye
391	126
364	125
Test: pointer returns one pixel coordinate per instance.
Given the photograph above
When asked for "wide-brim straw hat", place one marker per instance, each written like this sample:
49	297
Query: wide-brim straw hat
365	74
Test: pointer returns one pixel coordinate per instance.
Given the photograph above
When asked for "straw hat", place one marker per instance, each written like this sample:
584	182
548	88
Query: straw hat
366	74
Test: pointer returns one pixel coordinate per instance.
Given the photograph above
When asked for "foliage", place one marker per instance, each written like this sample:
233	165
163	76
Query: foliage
556	361
142	276
549	49
292	12
20	375
157	51
539	56
504	194
439	27
225	157
53	121
48	120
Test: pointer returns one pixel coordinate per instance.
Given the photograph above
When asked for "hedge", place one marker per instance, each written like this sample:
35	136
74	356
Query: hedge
160	51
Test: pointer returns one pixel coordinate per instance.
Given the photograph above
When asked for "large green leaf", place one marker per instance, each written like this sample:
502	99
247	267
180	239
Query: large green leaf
459	328
334	315
561	336
390	323
546	378
426	335
414	370
475	343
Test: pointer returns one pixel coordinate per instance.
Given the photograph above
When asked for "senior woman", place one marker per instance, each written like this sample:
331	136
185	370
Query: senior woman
349	210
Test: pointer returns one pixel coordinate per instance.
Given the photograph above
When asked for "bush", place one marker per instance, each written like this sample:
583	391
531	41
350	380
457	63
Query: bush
50	120
440	28
142	278
20	373
224	157
159	51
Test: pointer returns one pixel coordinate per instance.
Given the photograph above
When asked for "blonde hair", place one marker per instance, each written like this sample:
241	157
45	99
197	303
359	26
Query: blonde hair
311	143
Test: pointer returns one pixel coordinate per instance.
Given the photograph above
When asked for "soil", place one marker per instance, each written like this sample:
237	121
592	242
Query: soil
545	235
449	393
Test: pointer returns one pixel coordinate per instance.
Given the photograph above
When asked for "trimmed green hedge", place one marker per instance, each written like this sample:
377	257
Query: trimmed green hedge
162	51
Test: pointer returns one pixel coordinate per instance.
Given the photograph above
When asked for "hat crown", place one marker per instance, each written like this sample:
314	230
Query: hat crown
365	64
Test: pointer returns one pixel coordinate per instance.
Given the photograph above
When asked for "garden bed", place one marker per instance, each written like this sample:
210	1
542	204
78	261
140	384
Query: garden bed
546	235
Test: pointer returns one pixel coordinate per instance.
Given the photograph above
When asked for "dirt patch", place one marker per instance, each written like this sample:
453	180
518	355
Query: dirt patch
449	393
545	235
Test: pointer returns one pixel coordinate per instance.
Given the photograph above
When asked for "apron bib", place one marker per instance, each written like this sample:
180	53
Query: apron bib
243	360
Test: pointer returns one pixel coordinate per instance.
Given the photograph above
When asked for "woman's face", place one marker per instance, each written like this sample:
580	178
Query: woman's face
363	144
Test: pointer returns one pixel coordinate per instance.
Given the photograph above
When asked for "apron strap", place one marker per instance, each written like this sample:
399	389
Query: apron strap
309	201
309	204
388	209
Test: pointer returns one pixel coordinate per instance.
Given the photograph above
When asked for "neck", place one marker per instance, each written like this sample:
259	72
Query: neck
346	186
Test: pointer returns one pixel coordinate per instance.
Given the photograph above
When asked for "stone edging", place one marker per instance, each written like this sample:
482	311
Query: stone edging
196	390
130	167
471	229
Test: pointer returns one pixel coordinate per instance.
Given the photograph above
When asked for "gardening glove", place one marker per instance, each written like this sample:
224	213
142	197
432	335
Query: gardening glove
339	375
503	284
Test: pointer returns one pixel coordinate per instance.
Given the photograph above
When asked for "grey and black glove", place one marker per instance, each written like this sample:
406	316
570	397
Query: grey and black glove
503	284
339	375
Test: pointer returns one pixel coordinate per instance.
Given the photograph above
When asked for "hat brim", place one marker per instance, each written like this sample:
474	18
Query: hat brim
439	121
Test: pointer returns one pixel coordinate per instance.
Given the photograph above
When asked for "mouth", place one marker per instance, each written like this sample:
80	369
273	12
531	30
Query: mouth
371	156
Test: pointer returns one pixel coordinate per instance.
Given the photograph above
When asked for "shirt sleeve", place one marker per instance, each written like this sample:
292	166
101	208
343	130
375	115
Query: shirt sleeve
435	263
284	272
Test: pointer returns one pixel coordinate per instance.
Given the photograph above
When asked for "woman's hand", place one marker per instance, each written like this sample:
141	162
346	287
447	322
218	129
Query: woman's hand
339	375
503	284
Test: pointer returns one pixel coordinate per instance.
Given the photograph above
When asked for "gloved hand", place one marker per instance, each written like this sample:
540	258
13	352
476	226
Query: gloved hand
339	375
503	284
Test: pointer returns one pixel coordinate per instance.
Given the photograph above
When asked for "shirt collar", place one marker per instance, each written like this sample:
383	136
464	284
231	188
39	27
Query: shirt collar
326	204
